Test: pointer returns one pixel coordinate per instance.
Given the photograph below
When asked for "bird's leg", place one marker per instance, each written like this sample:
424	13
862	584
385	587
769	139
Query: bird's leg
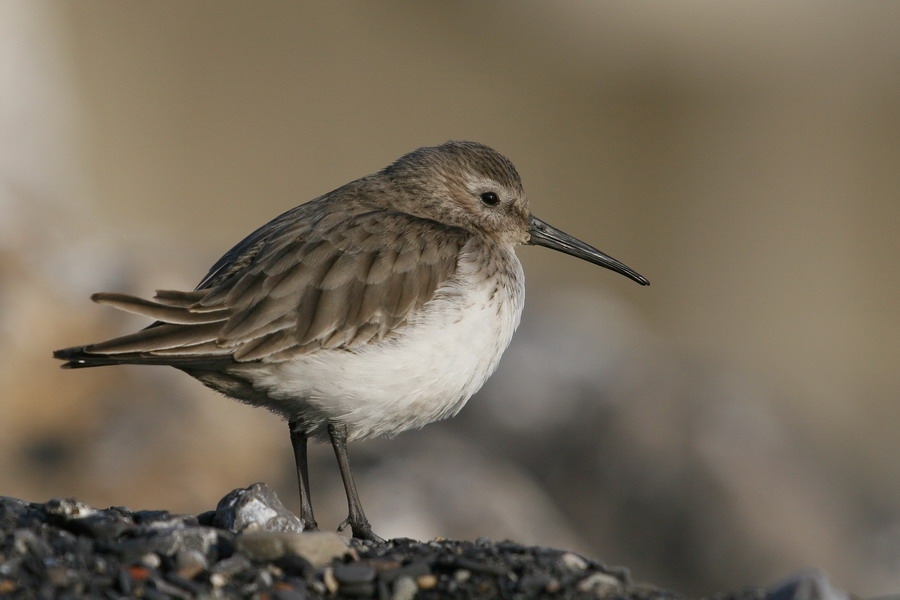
357	520
298	441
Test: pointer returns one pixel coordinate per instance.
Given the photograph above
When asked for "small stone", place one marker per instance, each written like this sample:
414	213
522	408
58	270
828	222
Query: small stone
264	578
355	579
7	586
169	590
190	563
572	561
462	575
9	566
57	575
354	573
152	560
532	583
69	508
138	573
124	581
296	565
328	578
808	584
283	590
12	510
255	508
232	565
426	582
405	588
597	583
384	565
218	580
190	585
317	547
26	541
100	526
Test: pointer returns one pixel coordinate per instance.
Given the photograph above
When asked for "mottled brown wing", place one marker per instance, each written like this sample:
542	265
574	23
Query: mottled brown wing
335	286
302	282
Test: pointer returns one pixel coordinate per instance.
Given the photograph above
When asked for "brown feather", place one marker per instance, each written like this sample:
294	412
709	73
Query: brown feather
158	311
157	339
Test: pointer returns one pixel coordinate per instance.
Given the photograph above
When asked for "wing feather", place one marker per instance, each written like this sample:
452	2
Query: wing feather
159	311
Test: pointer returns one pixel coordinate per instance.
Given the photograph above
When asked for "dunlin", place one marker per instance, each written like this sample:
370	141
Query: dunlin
379	307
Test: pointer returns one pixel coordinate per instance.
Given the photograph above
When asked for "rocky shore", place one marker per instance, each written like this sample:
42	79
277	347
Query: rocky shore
251	546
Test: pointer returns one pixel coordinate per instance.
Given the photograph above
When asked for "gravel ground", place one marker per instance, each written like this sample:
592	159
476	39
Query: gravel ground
252	547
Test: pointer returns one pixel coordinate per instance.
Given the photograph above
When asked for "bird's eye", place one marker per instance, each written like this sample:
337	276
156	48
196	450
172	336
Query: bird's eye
490	199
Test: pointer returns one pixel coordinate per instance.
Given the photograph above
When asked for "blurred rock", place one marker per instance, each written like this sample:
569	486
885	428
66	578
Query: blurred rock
811	584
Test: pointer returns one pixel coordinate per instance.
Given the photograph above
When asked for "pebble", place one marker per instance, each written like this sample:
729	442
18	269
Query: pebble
190	563
354	573
405	588
355	579
427	582
218	580
597	583
138	573
151	560
68	507
255	508
574	562
232	566
319	548
331	584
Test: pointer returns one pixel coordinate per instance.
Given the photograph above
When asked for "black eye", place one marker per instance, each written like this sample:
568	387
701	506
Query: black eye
490	199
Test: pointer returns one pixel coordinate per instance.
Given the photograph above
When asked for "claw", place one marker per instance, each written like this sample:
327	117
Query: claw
364	532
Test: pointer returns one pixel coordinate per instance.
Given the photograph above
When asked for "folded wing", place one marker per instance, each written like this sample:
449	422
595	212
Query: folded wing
301	283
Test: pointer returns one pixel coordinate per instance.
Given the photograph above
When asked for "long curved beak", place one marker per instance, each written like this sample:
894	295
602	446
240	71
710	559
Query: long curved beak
548	236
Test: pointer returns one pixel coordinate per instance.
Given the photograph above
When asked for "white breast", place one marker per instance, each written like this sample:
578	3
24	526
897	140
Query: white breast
424	374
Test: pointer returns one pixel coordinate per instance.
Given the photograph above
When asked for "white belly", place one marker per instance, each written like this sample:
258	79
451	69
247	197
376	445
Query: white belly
424	374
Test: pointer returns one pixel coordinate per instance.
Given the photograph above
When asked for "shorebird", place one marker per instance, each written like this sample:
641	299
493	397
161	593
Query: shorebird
378	307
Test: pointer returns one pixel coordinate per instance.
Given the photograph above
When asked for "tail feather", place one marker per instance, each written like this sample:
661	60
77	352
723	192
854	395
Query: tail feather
161	311
81	357
179	336
77	357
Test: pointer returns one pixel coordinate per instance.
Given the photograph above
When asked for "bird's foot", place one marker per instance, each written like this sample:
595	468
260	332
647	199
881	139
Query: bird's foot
309	525
361	530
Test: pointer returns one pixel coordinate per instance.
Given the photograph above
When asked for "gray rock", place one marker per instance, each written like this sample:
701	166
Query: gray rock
809	584
405	588
68	507
232	566
189	563
319	548
171	541
255	508
355	579
11	510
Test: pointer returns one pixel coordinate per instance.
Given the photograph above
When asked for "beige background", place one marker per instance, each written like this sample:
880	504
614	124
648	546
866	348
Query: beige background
743	156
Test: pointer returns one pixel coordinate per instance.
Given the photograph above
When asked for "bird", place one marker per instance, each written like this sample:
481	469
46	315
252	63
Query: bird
376	308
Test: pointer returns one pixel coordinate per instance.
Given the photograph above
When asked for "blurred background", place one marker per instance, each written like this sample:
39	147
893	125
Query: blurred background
732	423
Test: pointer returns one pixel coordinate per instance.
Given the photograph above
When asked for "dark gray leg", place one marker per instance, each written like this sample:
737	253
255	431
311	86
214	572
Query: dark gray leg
357	520
298	441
